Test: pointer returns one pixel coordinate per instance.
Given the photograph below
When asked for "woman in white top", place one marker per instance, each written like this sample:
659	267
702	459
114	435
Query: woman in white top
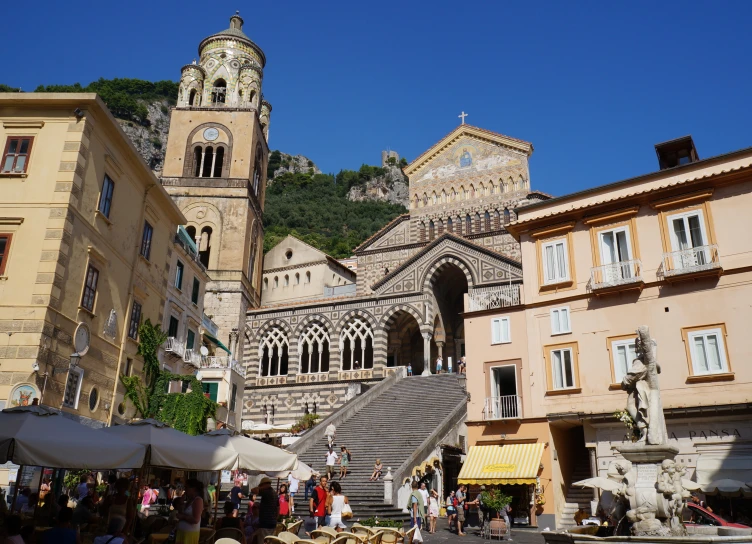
433	511
189	524
335	503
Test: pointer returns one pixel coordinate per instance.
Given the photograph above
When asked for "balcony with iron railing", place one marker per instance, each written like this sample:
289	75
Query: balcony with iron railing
213	362
617	276
503	407
497	296
174	346
691	262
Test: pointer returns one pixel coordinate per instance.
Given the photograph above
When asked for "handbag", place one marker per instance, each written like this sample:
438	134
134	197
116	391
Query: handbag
347	512
417	536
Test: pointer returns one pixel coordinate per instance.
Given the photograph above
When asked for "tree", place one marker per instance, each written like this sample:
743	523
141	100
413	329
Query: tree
185	412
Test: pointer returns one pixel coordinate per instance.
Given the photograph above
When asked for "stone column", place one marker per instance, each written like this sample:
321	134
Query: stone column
233	344
593	470
427	353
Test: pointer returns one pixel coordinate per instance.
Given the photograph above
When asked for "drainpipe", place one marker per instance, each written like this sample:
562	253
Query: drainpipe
129	307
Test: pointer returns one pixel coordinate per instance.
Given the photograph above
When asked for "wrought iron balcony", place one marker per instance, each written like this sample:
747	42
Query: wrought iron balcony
175	346
498	296
616	274
504	407
691	261
218	362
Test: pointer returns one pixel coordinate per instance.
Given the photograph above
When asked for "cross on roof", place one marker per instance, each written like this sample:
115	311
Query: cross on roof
462	116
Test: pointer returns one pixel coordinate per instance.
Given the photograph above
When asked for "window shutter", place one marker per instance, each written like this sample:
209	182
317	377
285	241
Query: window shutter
495	331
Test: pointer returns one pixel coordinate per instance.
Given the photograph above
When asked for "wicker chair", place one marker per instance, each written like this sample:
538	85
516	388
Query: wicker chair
226	540
281	527
273	540
294	528
391	535
231	532
288	537
409	535
375	538
360	530
206	535
347	538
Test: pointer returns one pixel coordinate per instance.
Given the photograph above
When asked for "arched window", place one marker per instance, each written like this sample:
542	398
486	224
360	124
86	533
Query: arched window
287	280
443	197
487	221
422	232
252	98
506	216
415	202
430	230
253	255
297	278
468	225
276	281
219	158
207	161
257	170
204	248
496	219
308	277
425	199
493	188
219	92
273	350
314	349
472	191
240	97
191	230
481	190
197	156
450	225
356	345
440	227
434	198
266	284
454	194
192	98
477	223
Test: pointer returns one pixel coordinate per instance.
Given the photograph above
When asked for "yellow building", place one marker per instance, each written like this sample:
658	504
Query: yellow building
546	358
86	239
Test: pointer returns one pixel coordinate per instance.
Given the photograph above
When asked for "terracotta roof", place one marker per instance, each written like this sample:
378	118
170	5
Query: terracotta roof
382	231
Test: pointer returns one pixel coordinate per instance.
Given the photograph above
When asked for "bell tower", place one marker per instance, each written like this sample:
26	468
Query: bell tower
215	169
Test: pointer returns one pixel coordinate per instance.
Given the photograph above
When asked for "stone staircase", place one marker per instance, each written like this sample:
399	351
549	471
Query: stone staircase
402	418
577	497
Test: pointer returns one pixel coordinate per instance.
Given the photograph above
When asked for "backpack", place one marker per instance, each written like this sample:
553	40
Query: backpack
455	502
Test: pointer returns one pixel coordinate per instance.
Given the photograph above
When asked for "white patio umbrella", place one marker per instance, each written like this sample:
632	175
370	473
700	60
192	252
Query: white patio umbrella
41	436
253	456
167	447
727	488
606	484
302	473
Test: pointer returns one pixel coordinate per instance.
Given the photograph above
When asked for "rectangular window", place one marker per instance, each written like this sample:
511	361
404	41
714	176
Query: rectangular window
128	366
90	288
146	240
73	387
210	390
562	368
500	333
233	397
555	268
16	155
105	199
196	290
190	340
179	276
688	239
623	353
173	328
5	240
184	388
560	320
135	321
708	352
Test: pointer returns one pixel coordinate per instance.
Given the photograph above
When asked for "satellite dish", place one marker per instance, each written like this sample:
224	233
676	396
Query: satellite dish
204	351
198	375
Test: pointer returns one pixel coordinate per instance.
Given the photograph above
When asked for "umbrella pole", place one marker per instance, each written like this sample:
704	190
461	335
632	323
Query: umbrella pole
39	490
216	495
15	490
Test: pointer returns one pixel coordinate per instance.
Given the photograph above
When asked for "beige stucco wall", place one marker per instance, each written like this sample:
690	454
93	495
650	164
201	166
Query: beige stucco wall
57	232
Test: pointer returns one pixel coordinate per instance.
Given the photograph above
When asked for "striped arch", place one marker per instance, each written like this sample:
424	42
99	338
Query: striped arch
390	315
432	272
349	315
251	352
310	318
298	332
264	328
379	344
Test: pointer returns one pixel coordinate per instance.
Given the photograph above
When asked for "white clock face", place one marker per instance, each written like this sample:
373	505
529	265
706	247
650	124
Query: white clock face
81	339
211	134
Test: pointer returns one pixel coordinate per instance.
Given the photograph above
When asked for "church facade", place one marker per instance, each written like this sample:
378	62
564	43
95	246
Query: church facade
415	278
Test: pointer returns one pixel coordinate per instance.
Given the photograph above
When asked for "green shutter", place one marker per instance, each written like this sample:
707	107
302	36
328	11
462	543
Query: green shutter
191	339
210	388
232	398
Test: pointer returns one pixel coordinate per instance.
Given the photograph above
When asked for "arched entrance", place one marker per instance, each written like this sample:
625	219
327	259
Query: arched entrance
448	285
404	341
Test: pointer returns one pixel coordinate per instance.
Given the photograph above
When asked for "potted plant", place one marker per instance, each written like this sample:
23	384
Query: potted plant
495	501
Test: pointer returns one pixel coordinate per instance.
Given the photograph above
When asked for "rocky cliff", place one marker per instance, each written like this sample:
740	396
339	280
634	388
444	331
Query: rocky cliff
282	163
392	187
150	140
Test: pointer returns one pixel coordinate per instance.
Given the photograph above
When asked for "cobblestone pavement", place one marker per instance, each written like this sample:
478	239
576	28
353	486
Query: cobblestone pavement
443	536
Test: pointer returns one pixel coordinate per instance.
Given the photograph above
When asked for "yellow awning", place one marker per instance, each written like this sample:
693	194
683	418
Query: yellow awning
507	465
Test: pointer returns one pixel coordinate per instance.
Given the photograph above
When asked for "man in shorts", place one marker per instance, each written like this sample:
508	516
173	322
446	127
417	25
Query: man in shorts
461	498
331	460
317	503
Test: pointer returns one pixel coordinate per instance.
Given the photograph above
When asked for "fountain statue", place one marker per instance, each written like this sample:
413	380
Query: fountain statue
648	485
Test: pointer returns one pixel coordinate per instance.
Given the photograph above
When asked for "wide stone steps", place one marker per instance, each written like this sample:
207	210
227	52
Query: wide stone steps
390	428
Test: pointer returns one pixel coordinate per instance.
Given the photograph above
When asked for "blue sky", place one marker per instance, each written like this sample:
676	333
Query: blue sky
593	88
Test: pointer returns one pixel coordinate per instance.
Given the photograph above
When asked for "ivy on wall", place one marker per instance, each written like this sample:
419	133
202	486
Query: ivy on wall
185	412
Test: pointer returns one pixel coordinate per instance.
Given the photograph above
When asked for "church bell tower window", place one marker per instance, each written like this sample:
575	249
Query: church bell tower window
219	92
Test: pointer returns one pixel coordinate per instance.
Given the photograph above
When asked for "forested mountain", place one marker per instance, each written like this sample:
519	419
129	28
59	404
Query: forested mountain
321	209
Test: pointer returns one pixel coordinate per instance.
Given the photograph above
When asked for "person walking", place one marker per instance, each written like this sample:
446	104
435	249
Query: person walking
236	498
378	469
424	493
344	462
438	364
331	460
409	369
462	365
337	502
284	501
331	434
416	507
451	509
461	498
309	486
268	511
293	486
317	504
433	511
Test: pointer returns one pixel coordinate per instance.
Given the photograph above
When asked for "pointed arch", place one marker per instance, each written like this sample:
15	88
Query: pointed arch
356	344
433	271
443	196
450	225
314	346
273	352
434	198
431	232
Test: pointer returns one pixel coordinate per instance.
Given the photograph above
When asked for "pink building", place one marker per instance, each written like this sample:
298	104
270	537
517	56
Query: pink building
670	250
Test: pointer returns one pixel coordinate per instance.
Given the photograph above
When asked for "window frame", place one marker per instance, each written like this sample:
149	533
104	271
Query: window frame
210	383
80	372
233	397
501	339
195	291
559	309
179	275
685	215
190	339
559	279
690	333
89	289
612	344
105	197
5	256
136	321
6	149
548	357
146	238
172	320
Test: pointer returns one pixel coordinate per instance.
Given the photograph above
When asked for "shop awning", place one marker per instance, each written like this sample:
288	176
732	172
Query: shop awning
216	342
507	465
712	466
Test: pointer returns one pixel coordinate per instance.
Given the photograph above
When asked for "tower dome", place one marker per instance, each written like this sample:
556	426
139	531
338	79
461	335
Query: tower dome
234	41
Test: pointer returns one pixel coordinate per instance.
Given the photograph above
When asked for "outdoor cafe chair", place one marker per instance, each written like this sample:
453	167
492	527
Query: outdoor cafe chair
206	535
347	538
360	530
375	538
281	527
231	533
288	537
226	540
294	528
409	535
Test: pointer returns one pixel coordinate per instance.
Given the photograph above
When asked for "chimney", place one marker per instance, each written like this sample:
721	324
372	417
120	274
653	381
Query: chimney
236	21
676	152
